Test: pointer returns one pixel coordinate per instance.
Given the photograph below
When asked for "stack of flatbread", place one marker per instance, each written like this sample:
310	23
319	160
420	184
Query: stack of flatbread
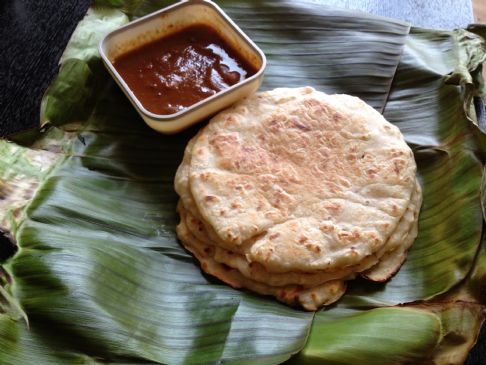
292	192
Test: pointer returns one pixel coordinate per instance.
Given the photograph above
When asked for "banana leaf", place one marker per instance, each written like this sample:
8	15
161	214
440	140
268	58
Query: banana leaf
99	277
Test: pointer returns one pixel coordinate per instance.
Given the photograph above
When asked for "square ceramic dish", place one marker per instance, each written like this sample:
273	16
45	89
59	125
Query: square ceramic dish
171	20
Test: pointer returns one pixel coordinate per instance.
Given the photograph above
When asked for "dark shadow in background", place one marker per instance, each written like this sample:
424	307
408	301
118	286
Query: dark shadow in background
33	35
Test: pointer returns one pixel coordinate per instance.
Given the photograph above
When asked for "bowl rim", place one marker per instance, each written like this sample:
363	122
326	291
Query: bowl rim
175	116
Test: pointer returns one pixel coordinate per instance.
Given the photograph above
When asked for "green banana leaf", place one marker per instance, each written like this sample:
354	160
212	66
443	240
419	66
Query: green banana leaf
99	277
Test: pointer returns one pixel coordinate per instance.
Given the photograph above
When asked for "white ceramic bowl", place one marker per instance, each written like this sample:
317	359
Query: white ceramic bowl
170	20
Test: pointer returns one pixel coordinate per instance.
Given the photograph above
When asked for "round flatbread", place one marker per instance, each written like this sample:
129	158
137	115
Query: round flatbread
291	192
399	243
310	174
309	298
381	266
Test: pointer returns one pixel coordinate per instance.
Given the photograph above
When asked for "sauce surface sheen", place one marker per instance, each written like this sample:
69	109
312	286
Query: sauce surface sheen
178	70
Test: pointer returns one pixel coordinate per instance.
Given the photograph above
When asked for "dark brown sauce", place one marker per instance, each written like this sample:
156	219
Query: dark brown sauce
178	70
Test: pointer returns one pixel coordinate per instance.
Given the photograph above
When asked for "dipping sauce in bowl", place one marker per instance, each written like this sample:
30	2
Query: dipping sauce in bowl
182	64
180	69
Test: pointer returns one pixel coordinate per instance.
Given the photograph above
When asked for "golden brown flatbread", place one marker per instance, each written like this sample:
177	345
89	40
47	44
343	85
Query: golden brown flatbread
293	188
309	298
